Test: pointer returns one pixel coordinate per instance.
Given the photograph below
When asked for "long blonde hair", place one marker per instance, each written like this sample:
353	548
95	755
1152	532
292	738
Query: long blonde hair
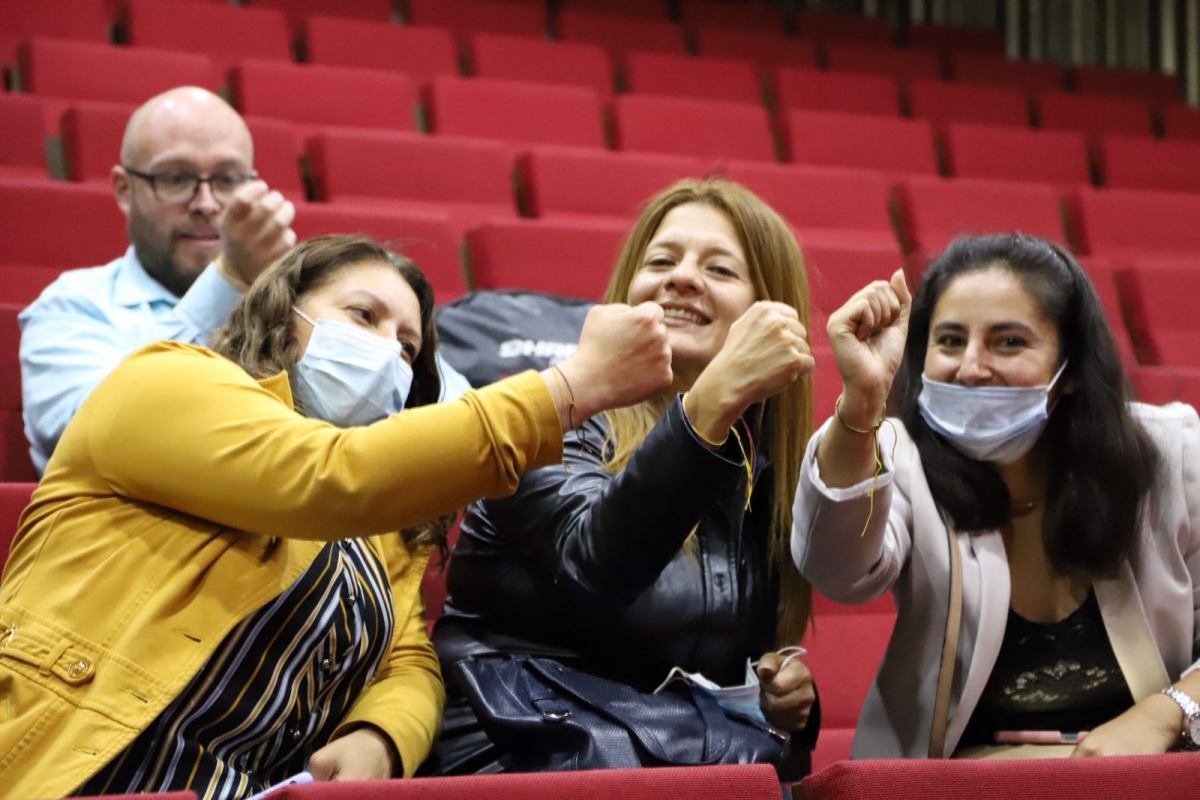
785	422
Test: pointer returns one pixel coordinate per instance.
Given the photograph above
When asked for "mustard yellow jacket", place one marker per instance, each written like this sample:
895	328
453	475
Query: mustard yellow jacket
183	497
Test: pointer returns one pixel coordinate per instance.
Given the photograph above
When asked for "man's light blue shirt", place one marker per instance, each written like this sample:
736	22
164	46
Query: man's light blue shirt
86	322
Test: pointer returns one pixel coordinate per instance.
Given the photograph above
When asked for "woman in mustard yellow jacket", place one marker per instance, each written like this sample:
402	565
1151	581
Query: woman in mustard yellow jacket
207	590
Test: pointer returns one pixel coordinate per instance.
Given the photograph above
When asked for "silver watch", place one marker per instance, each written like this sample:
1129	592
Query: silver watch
1191	714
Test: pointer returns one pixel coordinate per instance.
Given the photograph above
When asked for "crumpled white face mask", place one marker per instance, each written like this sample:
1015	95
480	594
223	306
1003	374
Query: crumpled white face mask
996	424
349	376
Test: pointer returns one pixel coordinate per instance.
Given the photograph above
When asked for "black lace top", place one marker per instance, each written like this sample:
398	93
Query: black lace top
1057	676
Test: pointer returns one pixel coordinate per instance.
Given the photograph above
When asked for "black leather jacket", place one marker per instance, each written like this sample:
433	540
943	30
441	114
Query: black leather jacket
590	567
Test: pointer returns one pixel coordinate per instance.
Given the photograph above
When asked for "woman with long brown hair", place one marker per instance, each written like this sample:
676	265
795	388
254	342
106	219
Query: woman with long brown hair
207	591
664	541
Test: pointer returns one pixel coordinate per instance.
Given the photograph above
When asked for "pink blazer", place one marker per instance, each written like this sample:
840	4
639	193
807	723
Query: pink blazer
1151	613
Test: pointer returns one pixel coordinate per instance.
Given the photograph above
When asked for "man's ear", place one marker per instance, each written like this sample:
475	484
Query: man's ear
121	189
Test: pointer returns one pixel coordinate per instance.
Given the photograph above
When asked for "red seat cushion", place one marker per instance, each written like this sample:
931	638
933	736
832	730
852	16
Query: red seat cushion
938	211
519	58
1017	154
515	111
905	64
706	129
573	258
565	182
427	237
944	103
860	141
416	50
225	33
733	80
1135	162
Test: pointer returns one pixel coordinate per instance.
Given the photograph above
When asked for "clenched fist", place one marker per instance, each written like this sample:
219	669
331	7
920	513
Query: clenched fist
868	335
765	352
255	230
623	358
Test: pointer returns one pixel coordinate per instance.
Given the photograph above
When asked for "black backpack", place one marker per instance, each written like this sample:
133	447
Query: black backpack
489	335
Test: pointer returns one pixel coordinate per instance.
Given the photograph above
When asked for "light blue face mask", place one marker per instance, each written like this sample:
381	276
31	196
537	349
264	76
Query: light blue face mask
349	376
996	424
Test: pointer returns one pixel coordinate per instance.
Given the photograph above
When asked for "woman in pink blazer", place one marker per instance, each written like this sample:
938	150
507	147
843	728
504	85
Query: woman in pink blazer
1075	512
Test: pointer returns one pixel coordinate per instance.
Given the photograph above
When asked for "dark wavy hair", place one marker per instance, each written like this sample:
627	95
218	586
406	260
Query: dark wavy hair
1102	463
259	335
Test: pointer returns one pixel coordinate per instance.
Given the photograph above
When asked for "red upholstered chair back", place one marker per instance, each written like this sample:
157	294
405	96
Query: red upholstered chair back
1166	777
668	783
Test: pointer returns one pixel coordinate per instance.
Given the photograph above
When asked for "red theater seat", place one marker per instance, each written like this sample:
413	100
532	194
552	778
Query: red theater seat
1095	116
519	58
706	129
1181	122
1150	87
81	71
768	51
743	782
573	258
643	8
1104	277
567	182
24	151
1032	77
759	18
1129	162
418	51
516	112
1159	300
837	273
731	80
620	35
433	582
824	26
949	38
298	11
943	103
905	64
226	33
1164	777
826	206
34	216
832	91
20	284
80	20
861	141
15	463
938	211
92	134
427	237
468	178
1119	223
1017	154
650	9
844	681
313	97
1161	385
465	17
13	499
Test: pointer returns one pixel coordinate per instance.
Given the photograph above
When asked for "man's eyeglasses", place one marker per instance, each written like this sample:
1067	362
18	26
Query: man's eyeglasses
182	187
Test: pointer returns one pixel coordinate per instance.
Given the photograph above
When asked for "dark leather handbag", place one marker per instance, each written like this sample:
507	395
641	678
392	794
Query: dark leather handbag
549	717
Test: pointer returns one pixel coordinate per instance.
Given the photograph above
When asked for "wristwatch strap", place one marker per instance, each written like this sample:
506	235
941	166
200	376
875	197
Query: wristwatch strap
1191	713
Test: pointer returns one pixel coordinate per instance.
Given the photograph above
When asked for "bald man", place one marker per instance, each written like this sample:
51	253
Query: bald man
201	228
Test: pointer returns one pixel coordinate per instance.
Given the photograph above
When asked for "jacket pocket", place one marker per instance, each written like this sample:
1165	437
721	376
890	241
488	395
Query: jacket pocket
53	657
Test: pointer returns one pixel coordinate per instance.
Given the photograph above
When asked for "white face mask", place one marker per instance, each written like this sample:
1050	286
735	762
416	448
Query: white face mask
349	376
987	423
